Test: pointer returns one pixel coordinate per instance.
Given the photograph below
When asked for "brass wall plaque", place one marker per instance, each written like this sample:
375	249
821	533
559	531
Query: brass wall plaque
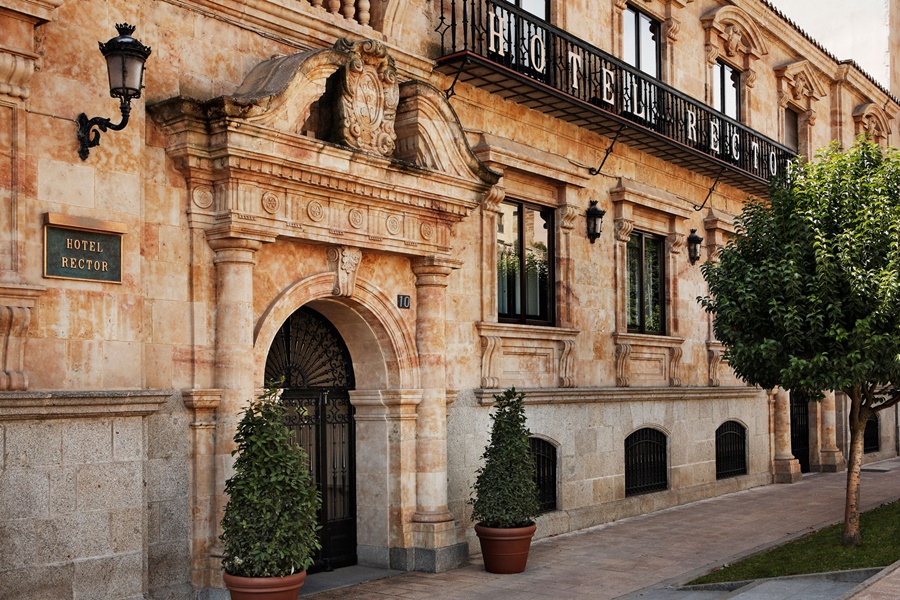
74	253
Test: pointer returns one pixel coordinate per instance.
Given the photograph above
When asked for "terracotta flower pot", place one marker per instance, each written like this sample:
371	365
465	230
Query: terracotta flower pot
505	550
265	588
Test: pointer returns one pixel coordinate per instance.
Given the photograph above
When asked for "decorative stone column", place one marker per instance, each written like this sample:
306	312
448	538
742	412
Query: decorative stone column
436	535
832	459
787	468
385	476
203	483
234	261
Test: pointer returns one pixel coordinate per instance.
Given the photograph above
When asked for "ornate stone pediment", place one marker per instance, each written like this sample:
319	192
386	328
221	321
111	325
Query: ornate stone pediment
732	32
871	120
798	85
326	146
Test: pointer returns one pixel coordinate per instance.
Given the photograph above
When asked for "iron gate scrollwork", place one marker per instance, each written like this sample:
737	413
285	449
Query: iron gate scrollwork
310	357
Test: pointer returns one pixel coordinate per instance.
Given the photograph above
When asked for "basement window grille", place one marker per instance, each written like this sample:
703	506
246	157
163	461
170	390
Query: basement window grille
731	450
646	462
544	454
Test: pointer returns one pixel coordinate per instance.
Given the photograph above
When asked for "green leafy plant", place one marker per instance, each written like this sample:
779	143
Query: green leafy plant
269	528
505	494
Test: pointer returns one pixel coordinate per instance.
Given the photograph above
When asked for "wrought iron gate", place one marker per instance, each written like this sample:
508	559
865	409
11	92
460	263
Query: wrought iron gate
800	429
309	354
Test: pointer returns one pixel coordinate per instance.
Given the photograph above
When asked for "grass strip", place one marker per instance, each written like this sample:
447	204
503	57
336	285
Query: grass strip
822	551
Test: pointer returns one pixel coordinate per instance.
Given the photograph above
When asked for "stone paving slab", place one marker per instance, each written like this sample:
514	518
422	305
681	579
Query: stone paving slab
656	550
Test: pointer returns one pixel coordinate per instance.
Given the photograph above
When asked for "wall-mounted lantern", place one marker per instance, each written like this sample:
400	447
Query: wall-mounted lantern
694	242
594	221
125	57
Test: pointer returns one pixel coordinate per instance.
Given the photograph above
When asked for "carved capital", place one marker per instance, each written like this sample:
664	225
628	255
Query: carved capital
16	302
204	404
566	216
671	28
493	197
675	242
344	261
623	228
749	77
368	99
16	69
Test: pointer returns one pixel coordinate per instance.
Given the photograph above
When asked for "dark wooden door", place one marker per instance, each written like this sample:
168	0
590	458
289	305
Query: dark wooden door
800	429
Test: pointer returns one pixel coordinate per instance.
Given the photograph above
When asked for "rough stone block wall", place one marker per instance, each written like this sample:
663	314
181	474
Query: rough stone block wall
71	517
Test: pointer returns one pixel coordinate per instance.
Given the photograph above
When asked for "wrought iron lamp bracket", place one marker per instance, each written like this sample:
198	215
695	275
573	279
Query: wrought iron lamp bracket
596	171
89	137
712	188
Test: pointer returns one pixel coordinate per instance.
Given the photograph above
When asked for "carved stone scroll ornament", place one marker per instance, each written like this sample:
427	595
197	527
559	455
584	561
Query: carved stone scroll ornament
567	364
623	229
674	363
368	98
623	351
491	349
714	357
344	261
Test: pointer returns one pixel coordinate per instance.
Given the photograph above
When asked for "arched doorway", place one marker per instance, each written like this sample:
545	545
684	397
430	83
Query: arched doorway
310	356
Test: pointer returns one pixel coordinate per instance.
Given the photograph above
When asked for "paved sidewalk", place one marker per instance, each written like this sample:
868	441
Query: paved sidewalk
650	551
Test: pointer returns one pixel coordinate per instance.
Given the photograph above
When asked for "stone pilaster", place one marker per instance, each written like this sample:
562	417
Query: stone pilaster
832	459
436	534
787	468
386	428
204	539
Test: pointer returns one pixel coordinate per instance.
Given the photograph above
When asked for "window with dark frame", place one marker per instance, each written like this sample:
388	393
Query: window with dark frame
544	454
727	90
646	462
641	41
525	264
872	436
731	450
539	8
791	129
645	286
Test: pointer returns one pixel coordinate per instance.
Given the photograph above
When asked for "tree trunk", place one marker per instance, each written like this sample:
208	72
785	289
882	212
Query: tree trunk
858	417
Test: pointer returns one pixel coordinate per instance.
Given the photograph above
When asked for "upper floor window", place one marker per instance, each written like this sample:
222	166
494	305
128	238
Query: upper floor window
727	90
645	295
641	41
791	129
525	259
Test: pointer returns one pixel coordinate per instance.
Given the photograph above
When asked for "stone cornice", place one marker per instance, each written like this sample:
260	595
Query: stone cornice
632	394
16	406
37	11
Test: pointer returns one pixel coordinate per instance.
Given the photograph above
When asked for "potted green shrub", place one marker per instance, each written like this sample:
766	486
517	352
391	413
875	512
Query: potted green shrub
270	522
505	496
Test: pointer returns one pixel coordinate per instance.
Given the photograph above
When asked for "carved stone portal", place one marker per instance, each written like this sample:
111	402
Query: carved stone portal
368	99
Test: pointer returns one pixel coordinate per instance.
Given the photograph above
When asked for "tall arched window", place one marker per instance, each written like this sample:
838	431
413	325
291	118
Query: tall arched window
872	436
545	472
646	462
731	450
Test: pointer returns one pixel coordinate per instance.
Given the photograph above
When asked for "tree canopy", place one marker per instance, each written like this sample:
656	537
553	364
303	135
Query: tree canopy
807	295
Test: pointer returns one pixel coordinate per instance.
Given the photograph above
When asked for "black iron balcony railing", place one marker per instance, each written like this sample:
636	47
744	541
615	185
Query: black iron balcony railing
506	50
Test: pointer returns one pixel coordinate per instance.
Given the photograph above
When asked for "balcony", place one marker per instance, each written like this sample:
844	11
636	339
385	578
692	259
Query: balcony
507	51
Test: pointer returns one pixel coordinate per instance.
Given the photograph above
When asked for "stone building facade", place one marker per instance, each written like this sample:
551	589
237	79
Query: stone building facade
385	202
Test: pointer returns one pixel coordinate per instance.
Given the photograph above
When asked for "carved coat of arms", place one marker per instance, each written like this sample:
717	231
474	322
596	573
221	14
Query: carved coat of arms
368	98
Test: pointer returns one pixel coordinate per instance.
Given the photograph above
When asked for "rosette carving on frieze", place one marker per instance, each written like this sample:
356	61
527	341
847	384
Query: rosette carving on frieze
368	98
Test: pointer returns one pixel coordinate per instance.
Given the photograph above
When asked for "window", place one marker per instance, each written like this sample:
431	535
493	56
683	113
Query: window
791	129
872	436
731	450
641	42
544	454
727	90
525	257
645	296
646	462
539	8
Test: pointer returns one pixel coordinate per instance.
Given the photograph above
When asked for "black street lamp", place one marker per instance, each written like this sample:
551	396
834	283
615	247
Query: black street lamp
694	242
594	221
125	57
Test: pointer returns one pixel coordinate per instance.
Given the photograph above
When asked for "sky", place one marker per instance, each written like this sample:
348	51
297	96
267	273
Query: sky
860	33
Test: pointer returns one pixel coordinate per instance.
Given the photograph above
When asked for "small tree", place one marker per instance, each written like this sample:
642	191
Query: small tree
807	296
505	494
270	522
